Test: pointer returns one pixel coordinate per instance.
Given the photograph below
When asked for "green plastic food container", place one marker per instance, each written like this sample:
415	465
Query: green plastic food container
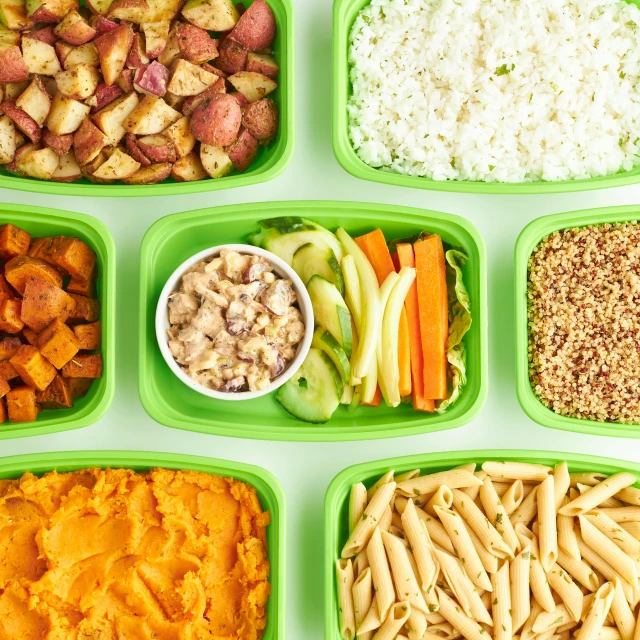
344	15
528	240
269	162
267	486
175	238
336	503
41	222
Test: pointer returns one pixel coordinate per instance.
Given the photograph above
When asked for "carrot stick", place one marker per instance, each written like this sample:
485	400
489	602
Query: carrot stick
420	403
375	248
434	325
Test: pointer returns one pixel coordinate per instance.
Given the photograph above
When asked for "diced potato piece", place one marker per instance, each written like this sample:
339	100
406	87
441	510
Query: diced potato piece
87	289
58	343
120	165
10	321
40	57
215	161
188	169
19	269
156	35
109	120
75	258
253	86
7	140
56	396
151	174
79	82
33	368
151	115
39	163
13	15
74	29
43	303
84	54
84	366
30	336
12	66
22	405
180	134
188	79
89	336
66	114
68	170
212	15
113	48
35	101
13	242
85	310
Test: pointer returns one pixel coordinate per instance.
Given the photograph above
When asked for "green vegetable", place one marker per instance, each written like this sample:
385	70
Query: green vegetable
324	341
311	259
502	70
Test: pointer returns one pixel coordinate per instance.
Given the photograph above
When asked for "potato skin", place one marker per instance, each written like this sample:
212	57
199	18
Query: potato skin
243	150
232	56
216	121
256	28
260	118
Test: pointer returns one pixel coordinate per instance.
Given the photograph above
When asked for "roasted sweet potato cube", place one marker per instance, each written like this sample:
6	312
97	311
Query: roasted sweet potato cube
43	303
22	405
84	366
3	410
10	311
45	248
5	387
89	336
6	292
86	309
78	387
34	369
75	258
56	395
30	336
8	371
13	242
20	268
58	343
81	288
8	348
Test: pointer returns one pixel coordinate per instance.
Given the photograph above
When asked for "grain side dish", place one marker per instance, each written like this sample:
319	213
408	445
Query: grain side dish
584	301
510	550
114	554
496	91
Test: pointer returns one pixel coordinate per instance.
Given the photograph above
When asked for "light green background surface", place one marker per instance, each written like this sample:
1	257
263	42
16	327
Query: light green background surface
305	470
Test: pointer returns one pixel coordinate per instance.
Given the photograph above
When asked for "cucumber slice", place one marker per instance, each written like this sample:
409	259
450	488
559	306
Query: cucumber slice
284	236
313	392
324	341
330	311
311	259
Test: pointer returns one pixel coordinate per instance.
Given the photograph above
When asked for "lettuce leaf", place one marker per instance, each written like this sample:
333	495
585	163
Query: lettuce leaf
459	324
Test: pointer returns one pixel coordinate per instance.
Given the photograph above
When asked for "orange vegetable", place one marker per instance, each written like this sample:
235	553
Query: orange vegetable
432	305
375	248
420	403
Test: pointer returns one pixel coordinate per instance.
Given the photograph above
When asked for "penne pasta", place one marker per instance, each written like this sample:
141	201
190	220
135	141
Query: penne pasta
525	471
527	632
489	561
622	614
362	592
436	531
441	498
561	482
527	510
386	519
495	512
623	540
609	633
385	479
594	620
468	627
369	521
407	475
371	621
357	504
632	528
360	563
477	521
598	493
472	492
457	531
418	537
344	576
548	534
395	620
630	495
381	574
512	498
468	466
622	514
537	576
519	577
416	624
578	570
608	503
591	478
501	604
454	479
551	620
562	583
567	540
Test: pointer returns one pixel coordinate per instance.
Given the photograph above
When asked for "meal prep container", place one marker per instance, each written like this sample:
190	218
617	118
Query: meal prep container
174	238
267	486
344	15
528	240
269	162
39	222
282	269
336	504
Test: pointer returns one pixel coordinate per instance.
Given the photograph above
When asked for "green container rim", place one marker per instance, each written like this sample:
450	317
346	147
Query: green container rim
528	239
337	496
344	13
267	486
161	411
279	155
102	242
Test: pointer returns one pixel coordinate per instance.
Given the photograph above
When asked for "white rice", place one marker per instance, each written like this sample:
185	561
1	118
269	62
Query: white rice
496	90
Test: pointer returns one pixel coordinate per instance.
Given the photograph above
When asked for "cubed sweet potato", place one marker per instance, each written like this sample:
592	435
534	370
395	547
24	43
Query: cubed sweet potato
8	348
84	366
58	343
8	371
78	387
86	309
56	396
22	405
45	248
5	387
3	410
34	369
75	258
13	242
87	289
43	303
30	336
10	321
19	269
89	336
6	292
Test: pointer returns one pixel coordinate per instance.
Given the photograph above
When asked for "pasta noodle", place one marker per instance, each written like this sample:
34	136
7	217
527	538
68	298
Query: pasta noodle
357	504
381	574
524	471
625	541
397	616
362	591
519	576
371	621
512	498
472	492
548	535
441	498
468	627
537	577
598	493
344	575
561	582
501	605
454	479
418	536
594	620
495	512
527	510
561	482
622	614
590	479
567	540
630	495
578	570
385	479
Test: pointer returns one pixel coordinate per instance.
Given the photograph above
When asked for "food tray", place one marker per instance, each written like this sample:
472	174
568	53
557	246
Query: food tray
344	15
529	238
269	162
268	489
174	238
336	504
41	221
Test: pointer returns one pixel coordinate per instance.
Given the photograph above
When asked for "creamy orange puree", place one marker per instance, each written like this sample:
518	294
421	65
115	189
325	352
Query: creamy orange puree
114	554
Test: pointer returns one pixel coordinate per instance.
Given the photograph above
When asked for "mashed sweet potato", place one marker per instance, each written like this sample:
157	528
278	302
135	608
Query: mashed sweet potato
114	554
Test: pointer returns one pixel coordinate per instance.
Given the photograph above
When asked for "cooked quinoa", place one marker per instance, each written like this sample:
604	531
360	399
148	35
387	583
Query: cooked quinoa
584	322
